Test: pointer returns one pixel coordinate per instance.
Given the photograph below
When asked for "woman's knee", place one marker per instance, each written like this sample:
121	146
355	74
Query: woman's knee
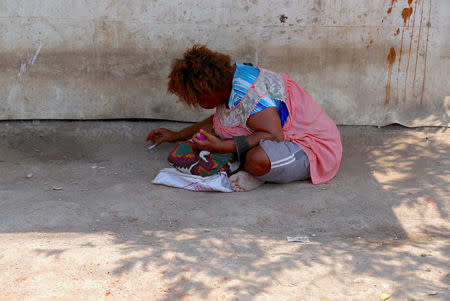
257	162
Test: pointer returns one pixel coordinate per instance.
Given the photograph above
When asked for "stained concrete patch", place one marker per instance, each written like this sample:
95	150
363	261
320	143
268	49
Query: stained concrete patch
380	227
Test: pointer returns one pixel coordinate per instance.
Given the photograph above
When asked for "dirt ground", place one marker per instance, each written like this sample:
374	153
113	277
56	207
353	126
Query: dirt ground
80	220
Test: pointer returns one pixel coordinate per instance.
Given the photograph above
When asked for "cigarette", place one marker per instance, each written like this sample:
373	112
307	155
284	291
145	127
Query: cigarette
151	146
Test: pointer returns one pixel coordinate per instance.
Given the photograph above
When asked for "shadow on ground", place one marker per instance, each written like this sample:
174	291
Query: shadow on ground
381	226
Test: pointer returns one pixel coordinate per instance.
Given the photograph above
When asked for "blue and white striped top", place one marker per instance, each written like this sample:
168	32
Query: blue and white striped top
243	79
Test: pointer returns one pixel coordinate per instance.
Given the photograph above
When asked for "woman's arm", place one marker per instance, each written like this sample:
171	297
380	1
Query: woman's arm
161	135
265	124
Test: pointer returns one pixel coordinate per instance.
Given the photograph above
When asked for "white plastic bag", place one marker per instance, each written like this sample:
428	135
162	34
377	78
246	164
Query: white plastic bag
174	178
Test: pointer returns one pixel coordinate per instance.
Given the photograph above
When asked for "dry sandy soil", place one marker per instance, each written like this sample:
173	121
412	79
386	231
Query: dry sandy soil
87	224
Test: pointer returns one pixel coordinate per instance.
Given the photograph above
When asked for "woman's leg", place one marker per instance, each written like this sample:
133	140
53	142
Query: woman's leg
272	161
288	162
257	163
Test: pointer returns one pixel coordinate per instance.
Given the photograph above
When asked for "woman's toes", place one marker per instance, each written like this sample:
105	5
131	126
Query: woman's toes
243	181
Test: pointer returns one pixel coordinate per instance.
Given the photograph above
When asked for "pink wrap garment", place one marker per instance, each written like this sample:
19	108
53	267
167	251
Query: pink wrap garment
308	126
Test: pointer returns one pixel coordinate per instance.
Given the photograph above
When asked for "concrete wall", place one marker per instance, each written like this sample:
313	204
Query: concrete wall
365	62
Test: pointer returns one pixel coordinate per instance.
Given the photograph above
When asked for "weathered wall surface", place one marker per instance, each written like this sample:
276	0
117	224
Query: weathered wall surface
365	62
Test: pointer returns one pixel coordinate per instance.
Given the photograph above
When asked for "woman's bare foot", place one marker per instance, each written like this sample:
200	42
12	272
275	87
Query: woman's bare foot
243	181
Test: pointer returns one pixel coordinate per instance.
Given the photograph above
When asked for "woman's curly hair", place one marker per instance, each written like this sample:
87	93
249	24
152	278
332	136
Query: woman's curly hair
201	71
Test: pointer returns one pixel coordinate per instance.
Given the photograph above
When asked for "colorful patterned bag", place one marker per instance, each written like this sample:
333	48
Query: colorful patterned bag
187	158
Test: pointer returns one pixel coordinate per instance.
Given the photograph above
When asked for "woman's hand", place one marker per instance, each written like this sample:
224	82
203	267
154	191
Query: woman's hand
161	135
211	142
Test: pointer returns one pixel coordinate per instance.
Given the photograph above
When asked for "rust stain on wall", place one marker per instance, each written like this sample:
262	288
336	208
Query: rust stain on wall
418	46
392	5
391	59
406	14
426	53
410	47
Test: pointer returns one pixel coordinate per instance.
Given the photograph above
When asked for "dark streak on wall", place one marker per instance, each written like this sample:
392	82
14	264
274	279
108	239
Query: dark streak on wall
409	52
391	59
426	53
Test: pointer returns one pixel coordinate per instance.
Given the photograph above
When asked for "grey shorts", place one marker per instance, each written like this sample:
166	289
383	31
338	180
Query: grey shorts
288	162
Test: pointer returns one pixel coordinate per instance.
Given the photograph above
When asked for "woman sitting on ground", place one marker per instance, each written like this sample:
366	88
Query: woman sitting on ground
278	131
